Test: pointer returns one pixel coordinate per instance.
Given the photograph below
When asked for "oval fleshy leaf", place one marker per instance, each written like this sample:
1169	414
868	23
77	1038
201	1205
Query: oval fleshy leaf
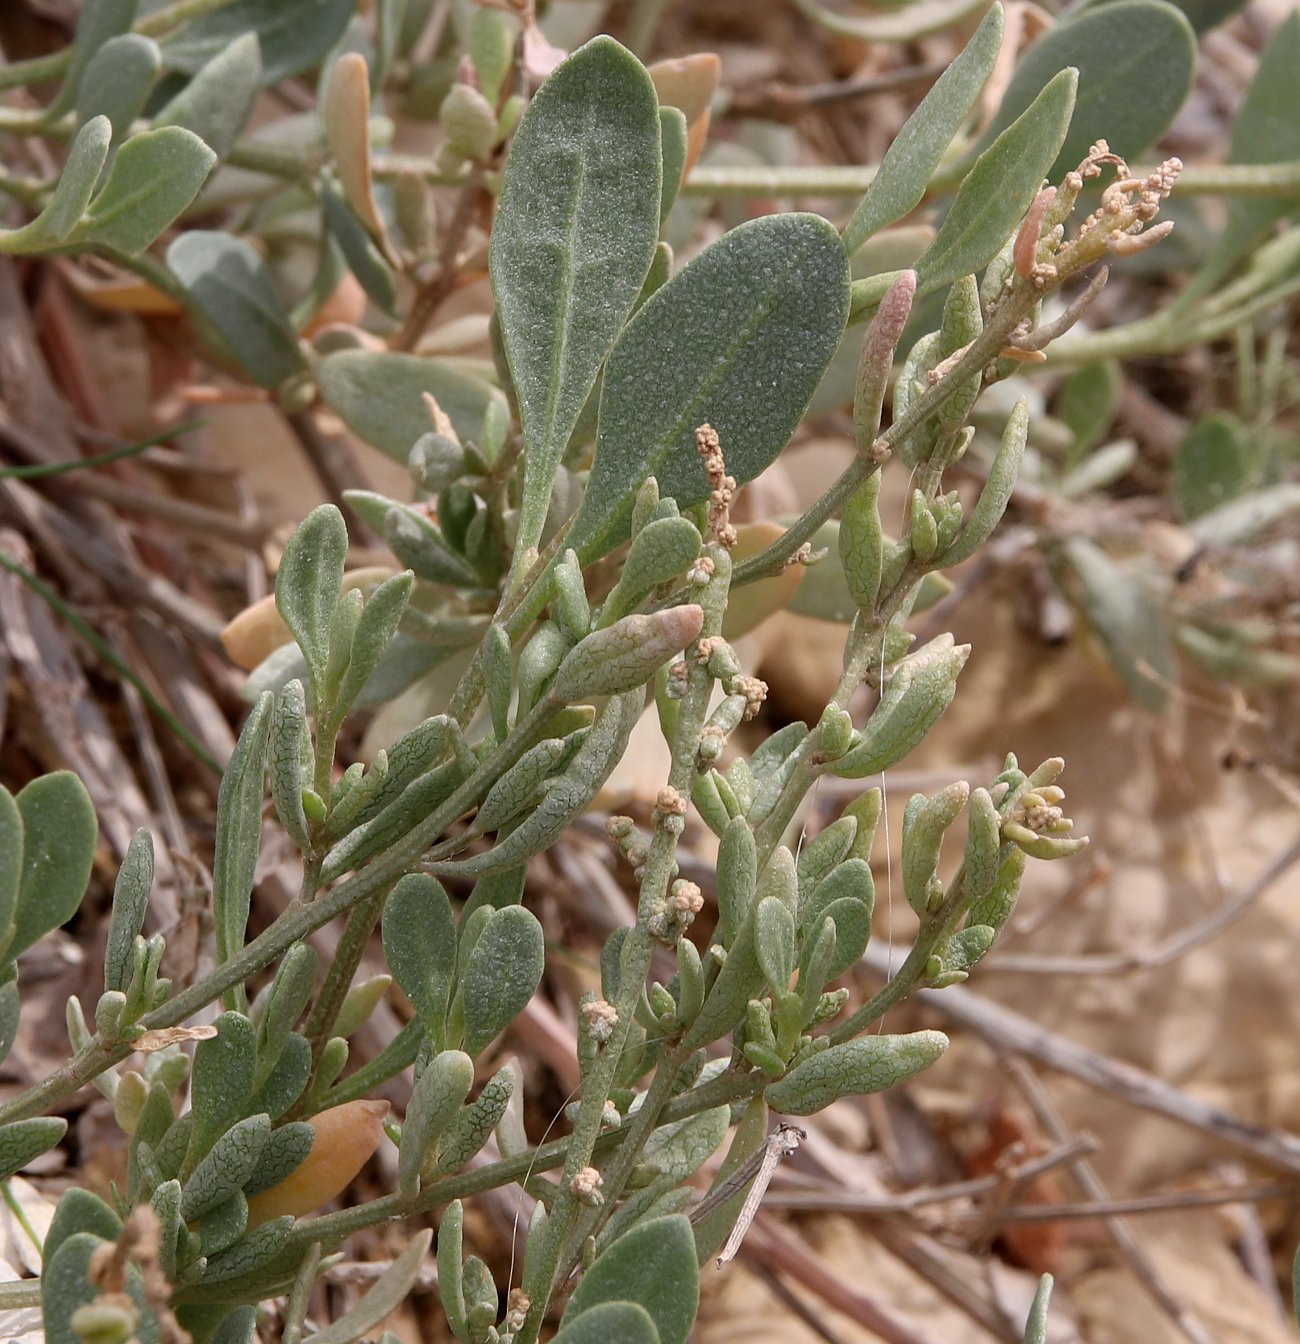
59	836
627	1322
738	339
419	936
853	1069
309	580
230	286
502	974
218	101
155	176
117	81
653	1265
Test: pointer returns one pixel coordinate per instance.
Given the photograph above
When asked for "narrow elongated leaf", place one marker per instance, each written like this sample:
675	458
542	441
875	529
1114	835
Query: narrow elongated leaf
239	829
917	149
574	236
1127	608
680	1150
346	113
1114	47
130	901
59	835
230	286
376	628
218	101
999	188
154	177
117	81
853	1069
738	339
76	184
308	582
359	250
294	34
388	1293
378	396
1036	1325
1267	130
653	1265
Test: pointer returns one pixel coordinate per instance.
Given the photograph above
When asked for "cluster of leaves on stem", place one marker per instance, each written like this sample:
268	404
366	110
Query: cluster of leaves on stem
571	545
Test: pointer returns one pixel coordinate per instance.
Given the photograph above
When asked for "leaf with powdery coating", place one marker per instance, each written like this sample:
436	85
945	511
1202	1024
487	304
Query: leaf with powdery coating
574	236
738	339
919	147
155	176
853	1069
653	1265
502	974
626	654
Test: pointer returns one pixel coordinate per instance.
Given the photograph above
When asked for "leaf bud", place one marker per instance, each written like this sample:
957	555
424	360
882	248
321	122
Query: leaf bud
569	606
924	530
469	120
105	1323
435	462
963	320
877	360
645	504
834	733
627	654
923	832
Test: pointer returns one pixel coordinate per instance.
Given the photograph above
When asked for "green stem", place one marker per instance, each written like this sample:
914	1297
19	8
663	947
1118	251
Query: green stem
332	1228
1156	335
21	1216
660	868
19	1294
772	559
42	69
361	922
397	1055
1245	180
644	1123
